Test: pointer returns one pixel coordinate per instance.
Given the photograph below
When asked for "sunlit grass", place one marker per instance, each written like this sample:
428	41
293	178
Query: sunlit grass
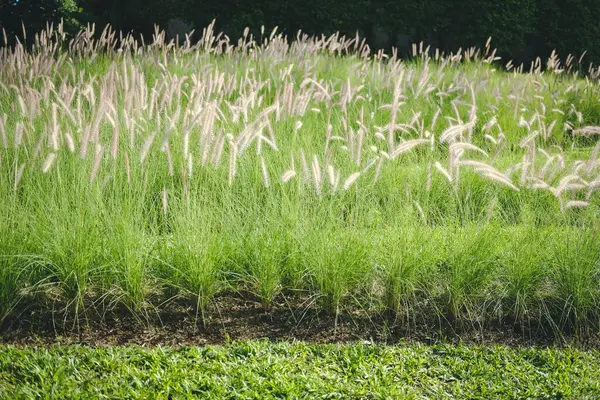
435	188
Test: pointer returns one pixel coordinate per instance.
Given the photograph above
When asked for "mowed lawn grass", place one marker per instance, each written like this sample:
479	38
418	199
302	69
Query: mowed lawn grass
263	370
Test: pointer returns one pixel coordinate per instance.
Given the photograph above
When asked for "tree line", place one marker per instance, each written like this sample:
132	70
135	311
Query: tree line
521	29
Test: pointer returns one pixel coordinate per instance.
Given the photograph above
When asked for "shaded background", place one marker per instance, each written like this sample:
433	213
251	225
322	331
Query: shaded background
521	29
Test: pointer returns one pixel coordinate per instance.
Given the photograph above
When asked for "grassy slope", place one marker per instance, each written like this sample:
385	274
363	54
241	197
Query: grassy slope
121	225
263	370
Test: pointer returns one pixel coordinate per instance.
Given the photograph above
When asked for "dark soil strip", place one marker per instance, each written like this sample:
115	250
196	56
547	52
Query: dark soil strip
241	317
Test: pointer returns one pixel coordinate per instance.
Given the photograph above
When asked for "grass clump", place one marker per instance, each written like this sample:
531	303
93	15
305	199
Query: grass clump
339	266
193	255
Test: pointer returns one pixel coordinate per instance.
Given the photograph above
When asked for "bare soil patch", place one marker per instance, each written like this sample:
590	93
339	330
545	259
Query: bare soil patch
240	316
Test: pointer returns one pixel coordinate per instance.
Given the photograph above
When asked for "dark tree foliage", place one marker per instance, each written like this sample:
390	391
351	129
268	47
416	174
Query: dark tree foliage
521	29
34	15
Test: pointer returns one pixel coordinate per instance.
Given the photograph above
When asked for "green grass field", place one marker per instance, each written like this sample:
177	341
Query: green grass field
448	187
260	370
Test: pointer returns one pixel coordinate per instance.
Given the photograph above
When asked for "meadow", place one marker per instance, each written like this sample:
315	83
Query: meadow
448	187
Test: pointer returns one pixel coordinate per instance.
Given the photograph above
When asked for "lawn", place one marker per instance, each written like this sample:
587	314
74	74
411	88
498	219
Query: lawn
262	370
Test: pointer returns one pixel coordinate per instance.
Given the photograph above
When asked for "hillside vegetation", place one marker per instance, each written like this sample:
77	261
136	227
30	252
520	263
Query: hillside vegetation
451	187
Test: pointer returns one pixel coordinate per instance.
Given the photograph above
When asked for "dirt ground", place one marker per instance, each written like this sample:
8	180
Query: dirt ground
234	317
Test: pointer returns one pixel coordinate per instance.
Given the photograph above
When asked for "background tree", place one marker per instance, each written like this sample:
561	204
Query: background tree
521	29
35	14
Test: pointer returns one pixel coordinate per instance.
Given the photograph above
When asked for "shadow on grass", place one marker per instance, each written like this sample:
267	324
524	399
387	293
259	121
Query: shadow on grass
292	317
